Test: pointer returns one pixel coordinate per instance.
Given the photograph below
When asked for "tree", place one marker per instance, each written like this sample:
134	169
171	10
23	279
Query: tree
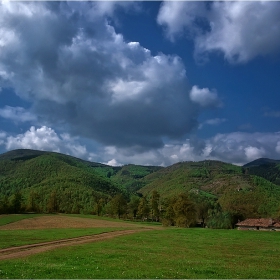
16	203
184	210
155	205
218	218
52	205
99	206
168	214
4	205
203	211
118	205
133	206
143	208
32	202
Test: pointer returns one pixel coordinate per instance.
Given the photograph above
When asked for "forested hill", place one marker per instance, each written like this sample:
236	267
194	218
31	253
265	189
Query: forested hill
232	187
41	176
266	168
53	182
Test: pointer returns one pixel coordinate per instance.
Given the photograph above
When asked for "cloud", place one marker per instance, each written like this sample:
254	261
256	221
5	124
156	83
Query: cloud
242	147
44	138
82	76
204	97
17	114
175	16
237	147
241	30
253	153
215	121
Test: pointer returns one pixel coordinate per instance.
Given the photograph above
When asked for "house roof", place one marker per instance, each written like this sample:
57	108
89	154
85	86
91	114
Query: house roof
262	222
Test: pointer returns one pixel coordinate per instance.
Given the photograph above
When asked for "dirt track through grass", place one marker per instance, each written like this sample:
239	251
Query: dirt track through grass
26	250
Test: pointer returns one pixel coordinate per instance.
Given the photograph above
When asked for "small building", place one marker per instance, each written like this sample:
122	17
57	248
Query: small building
259	224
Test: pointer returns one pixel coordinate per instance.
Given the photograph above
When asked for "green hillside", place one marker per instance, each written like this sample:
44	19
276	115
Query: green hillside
72	184
132	177
267	168
211	177
213	191
236	192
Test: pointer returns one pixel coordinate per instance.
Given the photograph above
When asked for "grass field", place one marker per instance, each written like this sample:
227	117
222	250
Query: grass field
6	219
13	238
168	253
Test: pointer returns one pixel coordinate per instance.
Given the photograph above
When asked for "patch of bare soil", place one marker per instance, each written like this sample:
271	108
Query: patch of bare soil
26	250
57	221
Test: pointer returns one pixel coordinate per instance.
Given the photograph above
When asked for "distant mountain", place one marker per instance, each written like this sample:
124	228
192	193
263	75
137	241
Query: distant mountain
261	161
268	169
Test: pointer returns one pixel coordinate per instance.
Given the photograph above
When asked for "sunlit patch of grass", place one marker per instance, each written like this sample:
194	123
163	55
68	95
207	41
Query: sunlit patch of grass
169	253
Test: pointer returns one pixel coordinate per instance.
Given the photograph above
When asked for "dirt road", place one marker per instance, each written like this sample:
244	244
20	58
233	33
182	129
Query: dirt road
27	250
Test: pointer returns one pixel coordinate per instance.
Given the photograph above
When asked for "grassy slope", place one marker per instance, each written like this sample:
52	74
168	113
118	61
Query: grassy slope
169	253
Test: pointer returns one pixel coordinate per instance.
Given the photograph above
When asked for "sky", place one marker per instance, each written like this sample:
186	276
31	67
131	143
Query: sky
150	83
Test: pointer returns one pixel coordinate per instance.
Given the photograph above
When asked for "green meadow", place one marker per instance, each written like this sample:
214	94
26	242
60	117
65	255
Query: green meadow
167	253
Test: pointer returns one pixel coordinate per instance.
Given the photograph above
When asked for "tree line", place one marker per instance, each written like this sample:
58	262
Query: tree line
182	210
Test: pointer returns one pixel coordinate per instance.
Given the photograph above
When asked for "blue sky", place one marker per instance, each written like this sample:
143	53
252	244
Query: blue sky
149	82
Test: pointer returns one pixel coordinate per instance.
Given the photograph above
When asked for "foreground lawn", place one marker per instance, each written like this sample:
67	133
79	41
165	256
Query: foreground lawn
168	253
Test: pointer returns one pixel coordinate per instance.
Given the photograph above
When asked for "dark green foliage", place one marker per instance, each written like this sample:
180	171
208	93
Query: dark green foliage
180	211
16	202
211	177
143	208
218	193
241	195
132	177
117	206
51	182
155	205
133	206
266	168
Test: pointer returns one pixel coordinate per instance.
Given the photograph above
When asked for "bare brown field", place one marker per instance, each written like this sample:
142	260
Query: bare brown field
57	221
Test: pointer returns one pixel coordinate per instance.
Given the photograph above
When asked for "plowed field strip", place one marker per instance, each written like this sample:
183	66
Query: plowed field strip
26	250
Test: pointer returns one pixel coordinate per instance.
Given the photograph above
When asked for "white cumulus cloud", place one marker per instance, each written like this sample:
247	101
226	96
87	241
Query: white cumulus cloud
204	97
44	138
241	30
